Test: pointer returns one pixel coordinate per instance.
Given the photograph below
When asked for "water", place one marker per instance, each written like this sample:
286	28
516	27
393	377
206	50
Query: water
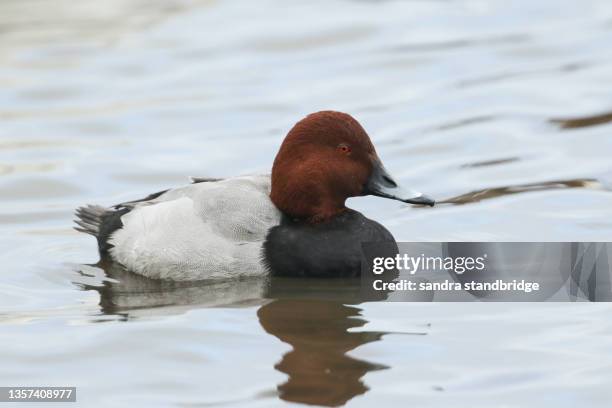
501	110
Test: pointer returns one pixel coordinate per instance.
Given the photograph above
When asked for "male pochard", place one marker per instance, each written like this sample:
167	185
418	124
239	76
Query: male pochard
293	222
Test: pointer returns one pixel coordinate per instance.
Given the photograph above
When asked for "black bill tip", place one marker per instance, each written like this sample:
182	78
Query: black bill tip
422	200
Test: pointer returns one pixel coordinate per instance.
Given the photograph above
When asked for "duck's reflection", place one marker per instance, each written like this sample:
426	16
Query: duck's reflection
320	372
310	315
131	296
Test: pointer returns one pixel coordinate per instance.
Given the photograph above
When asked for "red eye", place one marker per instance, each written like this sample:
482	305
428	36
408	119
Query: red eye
344	148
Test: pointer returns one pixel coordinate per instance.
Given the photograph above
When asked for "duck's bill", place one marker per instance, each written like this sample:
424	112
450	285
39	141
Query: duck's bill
381	184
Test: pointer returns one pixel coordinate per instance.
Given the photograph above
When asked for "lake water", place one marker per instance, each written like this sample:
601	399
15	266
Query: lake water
500	110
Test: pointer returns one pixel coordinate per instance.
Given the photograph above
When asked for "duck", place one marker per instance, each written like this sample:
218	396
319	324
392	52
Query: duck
293	222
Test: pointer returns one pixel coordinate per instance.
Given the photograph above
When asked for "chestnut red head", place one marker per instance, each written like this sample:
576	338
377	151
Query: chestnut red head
326	158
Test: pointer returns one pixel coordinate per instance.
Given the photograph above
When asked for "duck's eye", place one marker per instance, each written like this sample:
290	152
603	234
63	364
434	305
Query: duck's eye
344	148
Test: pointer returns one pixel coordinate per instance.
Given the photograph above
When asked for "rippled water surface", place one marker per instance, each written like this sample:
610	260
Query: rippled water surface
500	110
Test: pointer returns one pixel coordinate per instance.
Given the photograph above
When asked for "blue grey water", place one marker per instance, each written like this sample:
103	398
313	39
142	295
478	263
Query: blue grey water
499	109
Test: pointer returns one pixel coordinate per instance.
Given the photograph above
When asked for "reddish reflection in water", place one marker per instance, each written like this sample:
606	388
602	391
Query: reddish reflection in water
320	372
319	369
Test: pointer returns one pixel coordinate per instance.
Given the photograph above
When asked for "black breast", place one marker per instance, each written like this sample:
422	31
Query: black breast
328	249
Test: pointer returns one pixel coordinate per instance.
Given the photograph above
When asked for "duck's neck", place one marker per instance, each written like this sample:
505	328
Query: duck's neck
306	202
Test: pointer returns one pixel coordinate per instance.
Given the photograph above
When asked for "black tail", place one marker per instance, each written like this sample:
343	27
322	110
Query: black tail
100	222
89	219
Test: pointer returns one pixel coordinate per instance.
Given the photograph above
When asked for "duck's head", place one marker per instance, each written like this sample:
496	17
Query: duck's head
326	158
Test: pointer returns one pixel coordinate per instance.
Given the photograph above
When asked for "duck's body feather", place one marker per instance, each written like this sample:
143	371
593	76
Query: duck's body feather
206	230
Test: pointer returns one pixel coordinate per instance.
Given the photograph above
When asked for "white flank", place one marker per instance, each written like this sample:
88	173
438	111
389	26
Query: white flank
209	230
